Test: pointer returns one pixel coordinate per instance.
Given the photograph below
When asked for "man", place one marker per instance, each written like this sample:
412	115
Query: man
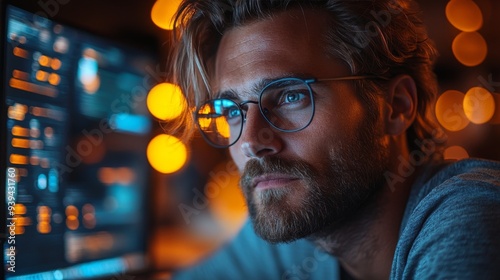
324	106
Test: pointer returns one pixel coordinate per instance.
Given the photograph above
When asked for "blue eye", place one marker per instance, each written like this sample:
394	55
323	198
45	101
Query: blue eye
291	97
233	112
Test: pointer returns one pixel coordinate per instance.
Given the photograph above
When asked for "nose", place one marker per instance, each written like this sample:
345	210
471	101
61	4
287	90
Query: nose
258	139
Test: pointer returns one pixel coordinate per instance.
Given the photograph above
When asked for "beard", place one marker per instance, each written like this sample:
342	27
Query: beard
322	199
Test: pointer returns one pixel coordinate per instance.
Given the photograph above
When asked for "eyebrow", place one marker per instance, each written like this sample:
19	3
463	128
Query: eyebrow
256	87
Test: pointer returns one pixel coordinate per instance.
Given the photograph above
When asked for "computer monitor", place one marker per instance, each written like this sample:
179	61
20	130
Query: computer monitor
74	133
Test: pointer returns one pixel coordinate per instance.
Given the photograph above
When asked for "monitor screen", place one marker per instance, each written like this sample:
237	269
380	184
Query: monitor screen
75	129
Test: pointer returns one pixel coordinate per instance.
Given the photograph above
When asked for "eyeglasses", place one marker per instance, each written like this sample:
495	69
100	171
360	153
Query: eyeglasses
287	104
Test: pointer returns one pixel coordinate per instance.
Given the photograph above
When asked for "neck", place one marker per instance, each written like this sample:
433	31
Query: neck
365	244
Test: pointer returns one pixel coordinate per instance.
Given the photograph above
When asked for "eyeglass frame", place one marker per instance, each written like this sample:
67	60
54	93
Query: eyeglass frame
307	81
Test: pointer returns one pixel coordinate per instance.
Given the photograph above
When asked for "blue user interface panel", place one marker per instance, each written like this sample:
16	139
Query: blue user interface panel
75	135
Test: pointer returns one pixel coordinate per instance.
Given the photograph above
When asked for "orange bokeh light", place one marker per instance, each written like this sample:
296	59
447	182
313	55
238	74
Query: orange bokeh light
464	15
165	101
450	112
166	153
204	122
455	153
470	48
223	127
163	12
479	105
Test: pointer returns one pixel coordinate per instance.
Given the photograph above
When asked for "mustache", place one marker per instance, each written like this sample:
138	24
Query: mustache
259	167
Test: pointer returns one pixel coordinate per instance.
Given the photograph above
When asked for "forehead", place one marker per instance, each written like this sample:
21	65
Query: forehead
289	43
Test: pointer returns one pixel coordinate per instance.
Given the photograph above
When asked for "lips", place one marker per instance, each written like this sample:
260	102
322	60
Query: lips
273	173
270	181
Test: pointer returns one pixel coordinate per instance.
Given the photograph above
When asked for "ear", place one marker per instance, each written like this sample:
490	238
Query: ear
401	104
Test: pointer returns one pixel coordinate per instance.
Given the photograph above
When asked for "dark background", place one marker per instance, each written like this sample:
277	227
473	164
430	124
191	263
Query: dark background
129	21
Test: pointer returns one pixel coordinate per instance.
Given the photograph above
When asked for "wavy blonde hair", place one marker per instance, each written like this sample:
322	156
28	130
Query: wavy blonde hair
375	37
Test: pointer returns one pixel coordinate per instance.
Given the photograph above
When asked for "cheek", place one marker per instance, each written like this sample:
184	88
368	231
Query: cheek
331	130
340	122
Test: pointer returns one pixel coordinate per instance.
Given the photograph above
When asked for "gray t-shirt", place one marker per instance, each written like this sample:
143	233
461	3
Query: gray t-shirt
450	230
451	226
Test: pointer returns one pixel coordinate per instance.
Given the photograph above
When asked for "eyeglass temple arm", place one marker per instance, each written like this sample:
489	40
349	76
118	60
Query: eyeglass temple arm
358	77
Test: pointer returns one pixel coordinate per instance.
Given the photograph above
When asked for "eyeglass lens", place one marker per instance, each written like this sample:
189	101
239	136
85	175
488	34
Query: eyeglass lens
287	104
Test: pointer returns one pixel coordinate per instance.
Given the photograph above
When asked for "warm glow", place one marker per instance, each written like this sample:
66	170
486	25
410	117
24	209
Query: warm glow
204	122
165	101
465	15
166	153
106	175
479	105
42	75
71	211
54	79
17	112
20	75
89	220
55	64
92	85
44	60
455	153
20	52
20	131
36	144
32	87
20	209
222	127
125	175
450	112
34	160
48	132
163	12
72	223
72	217
470	48
18	159
88	71
43	218
121	175
496	117
227	203
34	132
20	143
22	222
44	227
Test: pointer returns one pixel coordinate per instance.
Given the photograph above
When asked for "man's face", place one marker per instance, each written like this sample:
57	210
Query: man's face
299	183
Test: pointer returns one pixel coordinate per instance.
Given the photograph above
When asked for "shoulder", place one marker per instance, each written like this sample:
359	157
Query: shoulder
460	187
453	227
463	185
248	256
